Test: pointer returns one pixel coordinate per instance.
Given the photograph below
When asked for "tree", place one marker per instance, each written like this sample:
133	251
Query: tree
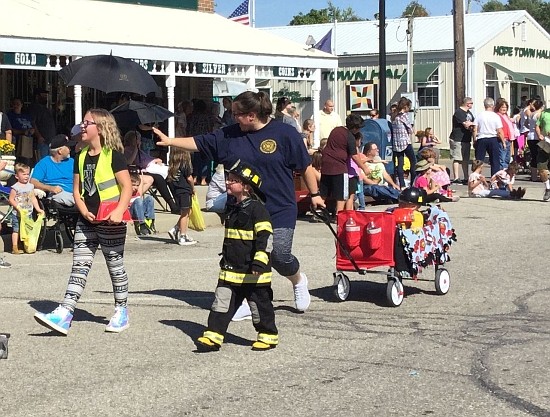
415	9
493	6
327	15
539	9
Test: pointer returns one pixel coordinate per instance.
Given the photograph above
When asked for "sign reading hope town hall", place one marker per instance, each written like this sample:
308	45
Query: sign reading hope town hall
521	52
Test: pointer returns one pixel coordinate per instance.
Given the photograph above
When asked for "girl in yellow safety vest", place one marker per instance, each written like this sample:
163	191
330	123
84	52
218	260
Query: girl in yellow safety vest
100	176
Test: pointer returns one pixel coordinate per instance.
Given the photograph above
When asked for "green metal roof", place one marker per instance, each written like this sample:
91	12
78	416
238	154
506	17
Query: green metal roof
421	72
540	79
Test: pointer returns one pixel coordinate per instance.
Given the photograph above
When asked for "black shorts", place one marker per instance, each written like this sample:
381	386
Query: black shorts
183	200
339	187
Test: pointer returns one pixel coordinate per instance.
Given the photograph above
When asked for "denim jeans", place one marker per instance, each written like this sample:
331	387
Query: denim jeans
504	154
143	208
381	192
217	205
490	146
399	158
359	194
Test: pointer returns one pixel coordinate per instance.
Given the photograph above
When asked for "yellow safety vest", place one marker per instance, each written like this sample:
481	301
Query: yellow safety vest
104	177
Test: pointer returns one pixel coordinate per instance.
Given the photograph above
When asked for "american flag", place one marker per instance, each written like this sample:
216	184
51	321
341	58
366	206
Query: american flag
241	14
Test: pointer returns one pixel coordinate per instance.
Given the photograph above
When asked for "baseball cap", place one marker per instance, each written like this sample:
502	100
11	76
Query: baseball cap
61	140
76	130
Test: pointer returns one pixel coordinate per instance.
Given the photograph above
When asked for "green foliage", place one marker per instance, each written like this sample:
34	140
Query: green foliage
415	9
539	9
326	15
493	6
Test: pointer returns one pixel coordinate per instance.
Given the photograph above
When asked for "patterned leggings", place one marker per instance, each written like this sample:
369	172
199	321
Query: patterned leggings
87	238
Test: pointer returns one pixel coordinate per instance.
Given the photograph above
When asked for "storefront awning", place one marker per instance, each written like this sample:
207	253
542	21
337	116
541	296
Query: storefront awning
514	76
421	72
536	78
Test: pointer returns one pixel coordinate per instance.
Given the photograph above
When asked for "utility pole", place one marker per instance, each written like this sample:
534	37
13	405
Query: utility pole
382	101
459	52
410	54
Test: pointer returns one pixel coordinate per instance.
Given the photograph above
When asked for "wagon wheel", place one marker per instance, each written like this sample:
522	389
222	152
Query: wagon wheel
58	241
395	292
341	286
442	281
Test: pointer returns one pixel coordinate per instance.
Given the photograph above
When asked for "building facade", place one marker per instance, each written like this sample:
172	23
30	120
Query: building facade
507	55
185	49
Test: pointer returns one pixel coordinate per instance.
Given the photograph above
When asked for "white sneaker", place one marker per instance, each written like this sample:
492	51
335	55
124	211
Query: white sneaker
242	313
173	233
4	264
185	240
302	299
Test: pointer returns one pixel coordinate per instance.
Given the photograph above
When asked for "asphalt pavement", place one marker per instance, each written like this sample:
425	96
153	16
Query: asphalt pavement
480	350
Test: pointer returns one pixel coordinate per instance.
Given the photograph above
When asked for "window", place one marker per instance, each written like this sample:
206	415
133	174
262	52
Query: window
428	92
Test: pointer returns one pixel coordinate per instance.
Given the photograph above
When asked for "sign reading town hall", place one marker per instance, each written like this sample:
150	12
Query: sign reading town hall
521	52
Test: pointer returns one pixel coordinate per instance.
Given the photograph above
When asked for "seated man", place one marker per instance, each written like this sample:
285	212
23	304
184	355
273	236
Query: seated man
378	183
54	174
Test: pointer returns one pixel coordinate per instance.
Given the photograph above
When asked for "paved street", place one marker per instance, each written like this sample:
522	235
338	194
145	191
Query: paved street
480	350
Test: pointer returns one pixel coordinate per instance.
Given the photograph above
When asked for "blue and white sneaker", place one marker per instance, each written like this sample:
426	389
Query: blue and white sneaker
119	322
58	320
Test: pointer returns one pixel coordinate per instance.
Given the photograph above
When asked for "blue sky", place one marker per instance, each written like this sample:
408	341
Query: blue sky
281	12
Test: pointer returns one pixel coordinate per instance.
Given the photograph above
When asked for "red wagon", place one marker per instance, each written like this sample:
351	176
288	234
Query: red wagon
369	240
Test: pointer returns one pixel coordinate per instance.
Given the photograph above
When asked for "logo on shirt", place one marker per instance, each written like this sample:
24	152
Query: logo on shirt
268	146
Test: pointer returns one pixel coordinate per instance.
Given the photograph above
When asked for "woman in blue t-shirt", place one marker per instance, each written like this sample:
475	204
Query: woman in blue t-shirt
277	150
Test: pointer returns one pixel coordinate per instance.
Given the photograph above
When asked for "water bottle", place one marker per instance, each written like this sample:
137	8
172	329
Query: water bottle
353	233
374	235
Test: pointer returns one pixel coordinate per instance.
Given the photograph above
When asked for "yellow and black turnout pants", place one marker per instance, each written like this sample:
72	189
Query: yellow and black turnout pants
228	299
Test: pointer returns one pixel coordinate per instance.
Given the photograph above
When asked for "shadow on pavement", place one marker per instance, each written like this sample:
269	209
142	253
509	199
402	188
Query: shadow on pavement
202	299
194	331
365	291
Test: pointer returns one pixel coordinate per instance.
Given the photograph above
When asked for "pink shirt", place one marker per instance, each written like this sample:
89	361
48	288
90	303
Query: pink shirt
421	182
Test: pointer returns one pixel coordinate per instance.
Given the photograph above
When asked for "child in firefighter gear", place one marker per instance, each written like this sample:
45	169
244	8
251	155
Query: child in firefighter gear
245	265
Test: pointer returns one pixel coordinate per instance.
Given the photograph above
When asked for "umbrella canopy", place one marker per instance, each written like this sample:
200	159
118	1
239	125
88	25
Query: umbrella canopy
229	88
137	112
109	73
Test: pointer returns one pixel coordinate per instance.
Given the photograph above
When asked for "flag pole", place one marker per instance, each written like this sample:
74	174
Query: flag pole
252	11
333	50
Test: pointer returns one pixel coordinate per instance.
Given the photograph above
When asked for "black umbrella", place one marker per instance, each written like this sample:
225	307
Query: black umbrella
109	73
141	112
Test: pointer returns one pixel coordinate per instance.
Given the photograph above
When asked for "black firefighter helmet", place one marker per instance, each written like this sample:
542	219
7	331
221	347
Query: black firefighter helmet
412	195
250	176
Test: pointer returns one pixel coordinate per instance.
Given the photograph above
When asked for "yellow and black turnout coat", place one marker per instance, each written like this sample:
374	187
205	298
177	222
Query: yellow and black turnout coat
247	230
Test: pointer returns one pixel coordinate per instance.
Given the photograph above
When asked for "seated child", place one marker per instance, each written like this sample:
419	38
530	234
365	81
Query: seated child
407	214
245	267
504	180
478	186
439	172
424	181
142	208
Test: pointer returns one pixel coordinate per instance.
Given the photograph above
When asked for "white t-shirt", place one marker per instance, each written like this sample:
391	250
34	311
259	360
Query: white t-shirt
327	122
478	189
487	124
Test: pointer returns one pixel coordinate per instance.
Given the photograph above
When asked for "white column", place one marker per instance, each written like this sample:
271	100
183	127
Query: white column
77	89
170	85
251	77
316	97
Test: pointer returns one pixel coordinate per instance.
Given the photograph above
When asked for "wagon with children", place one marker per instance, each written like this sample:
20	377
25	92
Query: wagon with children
399	243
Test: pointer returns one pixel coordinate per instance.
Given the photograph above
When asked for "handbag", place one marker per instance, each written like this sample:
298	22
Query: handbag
29	231
24	147
196	219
